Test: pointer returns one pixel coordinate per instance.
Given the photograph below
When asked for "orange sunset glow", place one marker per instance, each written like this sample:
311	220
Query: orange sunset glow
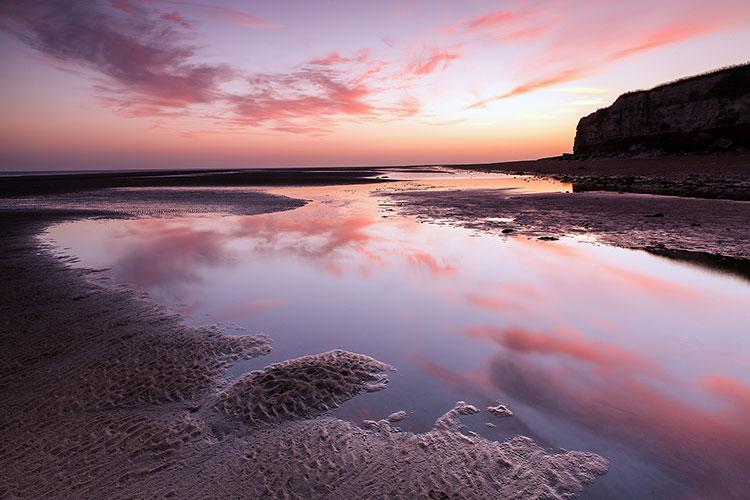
160	83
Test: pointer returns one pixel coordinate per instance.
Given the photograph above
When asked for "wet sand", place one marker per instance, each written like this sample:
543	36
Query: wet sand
107	394
47	183
719	176
707	232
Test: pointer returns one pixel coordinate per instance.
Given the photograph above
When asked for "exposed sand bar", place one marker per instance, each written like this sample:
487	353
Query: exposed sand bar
106	394
46	183
713	232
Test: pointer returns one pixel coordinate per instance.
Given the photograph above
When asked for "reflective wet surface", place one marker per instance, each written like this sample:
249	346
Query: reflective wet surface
639	358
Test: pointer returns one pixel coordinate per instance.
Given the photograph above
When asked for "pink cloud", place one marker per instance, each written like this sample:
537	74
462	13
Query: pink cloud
225	14
562	76
146	69
493	20
145	66
574	55
335	58
406	106
306	99
176	18
315	96
526	22
733	391
127	6
331	59
431	60
669	34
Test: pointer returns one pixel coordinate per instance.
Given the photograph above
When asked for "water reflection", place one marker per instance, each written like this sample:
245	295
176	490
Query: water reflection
162	253
623	396
633	356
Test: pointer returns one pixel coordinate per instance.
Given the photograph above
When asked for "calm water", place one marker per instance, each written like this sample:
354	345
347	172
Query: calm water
641	359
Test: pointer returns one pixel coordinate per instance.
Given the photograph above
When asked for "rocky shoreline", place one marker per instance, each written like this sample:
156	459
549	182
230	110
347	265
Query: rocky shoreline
714	176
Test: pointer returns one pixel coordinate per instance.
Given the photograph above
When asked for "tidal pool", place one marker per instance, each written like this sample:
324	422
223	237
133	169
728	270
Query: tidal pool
641	359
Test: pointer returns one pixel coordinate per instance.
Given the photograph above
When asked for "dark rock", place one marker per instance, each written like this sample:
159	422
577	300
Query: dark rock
709	112
507	230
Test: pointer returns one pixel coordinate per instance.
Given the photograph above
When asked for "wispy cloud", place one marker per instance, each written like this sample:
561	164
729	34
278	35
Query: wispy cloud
225	14
496	19
177	18
314	96
669	34
142	62
588	56
431	59
144	65
304	100
335	58
145	60
548	80
524	23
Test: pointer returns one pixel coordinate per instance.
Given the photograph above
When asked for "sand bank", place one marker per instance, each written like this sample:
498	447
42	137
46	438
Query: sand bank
681	228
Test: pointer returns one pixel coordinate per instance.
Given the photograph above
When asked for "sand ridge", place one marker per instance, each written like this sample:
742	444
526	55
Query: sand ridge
301	387
156	202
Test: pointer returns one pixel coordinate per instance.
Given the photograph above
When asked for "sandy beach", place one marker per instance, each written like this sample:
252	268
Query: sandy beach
108	394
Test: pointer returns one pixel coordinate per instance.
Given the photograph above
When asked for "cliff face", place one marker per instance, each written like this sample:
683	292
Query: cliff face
700	113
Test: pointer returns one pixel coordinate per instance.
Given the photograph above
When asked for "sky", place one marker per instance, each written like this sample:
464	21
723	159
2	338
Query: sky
138	84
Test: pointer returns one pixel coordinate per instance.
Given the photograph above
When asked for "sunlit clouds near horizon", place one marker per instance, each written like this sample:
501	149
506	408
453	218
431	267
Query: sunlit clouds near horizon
231	83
